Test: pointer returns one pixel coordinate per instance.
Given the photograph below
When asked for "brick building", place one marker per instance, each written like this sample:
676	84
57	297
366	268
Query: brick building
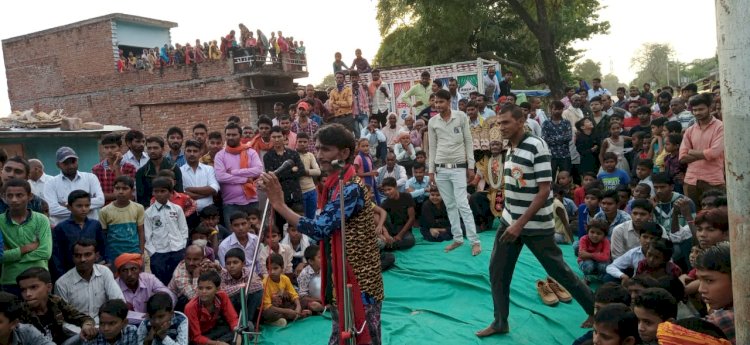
74	67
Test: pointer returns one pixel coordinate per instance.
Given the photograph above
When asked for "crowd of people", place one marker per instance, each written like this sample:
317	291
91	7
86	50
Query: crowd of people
156	241
229	46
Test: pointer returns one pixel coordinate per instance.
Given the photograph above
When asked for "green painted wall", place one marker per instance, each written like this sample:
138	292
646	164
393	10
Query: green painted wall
44	148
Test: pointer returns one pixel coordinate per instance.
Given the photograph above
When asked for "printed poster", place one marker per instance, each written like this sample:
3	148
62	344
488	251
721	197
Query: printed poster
402	108
467	84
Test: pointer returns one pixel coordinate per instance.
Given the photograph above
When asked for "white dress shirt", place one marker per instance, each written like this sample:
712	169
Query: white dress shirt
165	228
37	187
88	296
630	259
57	189
203	176
138	163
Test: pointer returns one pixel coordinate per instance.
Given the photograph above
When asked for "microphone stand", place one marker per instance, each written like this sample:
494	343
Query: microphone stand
246	330
349	335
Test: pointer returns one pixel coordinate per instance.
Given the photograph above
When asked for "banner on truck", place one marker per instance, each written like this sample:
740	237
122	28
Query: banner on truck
403	109
467	84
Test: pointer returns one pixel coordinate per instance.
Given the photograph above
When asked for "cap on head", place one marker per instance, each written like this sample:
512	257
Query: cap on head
64	153
303	105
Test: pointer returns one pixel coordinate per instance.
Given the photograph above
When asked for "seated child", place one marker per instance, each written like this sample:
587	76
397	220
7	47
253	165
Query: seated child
400	208
616	324
593	250
562	233
566	182
630	260
280	300
113	325
606	294
611	176
42	306
234	276
272	245
652	307
163	325
658	262
253	217
309	281
637	284
690	280
209	216
199	237
641	191
211	316
589	182
433	222
14	332
610	212
588	210
297	241
714	271
624	194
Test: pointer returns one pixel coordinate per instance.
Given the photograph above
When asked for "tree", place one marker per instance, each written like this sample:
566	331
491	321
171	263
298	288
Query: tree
532	38
328	81
654	64
700	68
587	70
611	82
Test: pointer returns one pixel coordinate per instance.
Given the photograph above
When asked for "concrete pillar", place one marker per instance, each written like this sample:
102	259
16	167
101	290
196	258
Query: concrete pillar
734	67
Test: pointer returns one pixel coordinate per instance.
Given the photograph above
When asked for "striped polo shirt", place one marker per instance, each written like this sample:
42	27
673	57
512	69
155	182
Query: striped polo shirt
525	167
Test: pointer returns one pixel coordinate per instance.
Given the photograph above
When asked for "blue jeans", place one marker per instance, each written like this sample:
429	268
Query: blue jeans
452	186
310	201
163	265
360	122
591	267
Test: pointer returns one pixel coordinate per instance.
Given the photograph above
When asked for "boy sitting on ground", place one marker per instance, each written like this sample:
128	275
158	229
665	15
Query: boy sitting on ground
400	208
164	326
714	270
211	316
658	262
433	222
593	252
234	276
616	324
608	293
630	260
113	325
280	300
652	307
13	331
309	281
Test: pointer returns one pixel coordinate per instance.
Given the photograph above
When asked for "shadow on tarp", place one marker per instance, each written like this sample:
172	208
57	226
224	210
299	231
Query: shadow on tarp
438	298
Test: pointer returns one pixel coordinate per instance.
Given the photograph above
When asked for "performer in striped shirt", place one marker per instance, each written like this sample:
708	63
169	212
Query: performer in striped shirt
527	220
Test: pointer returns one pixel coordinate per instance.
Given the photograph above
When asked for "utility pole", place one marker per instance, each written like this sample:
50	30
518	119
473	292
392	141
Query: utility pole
733	36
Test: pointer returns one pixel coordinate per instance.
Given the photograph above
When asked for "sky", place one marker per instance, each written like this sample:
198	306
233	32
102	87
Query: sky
690	27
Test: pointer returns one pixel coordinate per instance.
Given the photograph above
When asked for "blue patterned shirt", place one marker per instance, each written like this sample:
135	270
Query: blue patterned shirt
128	336
176	335
558	137
329	219
620	218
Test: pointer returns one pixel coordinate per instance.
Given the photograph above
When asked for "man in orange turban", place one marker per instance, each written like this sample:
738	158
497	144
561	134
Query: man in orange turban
137	286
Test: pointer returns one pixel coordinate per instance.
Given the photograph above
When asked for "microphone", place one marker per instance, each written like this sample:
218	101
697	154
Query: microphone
284	167
338	163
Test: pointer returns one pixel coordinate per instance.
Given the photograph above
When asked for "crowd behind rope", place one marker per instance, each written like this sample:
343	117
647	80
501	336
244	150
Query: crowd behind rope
157	239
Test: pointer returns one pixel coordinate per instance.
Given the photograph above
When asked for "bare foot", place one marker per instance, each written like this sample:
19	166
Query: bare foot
589	322
476	249
490	331
452	246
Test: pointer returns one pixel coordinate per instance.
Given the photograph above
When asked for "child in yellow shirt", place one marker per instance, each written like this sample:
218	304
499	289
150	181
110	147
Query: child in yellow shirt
280	301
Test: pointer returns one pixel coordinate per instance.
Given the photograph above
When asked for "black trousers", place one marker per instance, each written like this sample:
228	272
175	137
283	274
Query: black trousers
503	263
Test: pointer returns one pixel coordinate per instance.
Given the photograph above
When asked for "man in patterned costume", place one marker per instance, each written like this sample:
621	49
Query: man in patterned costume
335	142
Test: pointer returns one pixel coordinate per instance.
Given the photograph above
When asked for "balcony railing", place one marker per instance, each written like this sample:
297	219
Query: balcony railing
247	62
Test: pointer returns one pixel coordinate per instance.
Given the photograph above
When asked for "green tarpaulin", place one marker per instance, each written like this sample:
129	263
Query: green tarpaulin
438	298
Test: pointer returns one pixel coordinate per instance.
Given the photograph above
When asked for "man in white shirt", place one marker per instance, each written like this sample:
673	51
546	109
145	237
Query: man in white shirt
379	98
574	112
455	94
87	286
375	138
451	164
597	89
482	108
198	179
136	155
56	190
37	177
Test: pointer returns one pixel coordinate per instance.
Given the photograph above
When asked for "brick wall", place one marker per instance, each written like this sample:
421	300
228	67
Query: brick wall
74	69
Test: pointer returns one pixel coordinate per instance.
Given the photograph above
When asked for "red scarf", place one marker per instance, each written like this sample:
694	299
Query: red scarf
331	186
248	187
